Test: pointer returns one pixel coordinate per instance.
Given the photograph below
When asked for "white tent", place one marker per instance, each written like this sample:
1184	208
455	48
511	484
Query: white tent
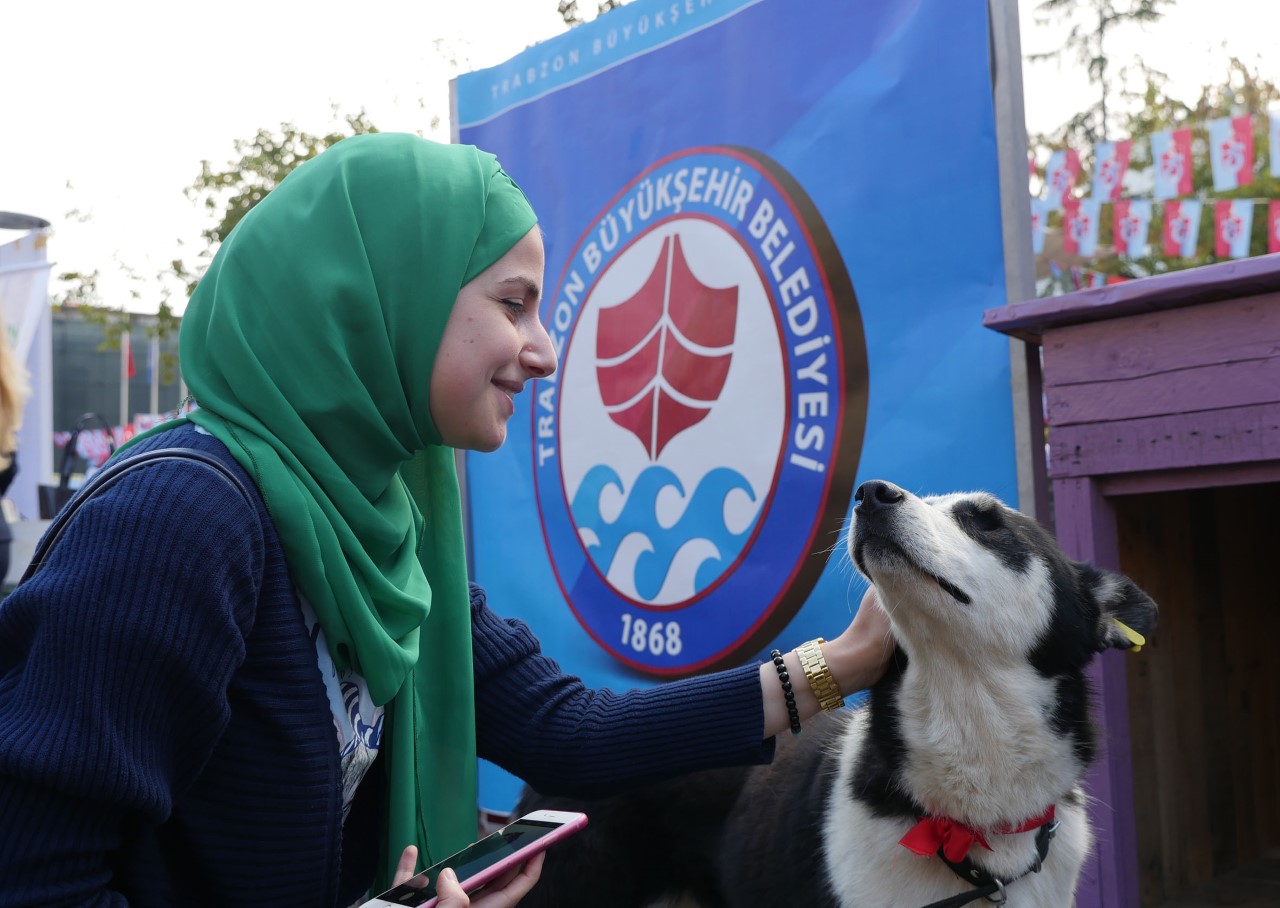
24	299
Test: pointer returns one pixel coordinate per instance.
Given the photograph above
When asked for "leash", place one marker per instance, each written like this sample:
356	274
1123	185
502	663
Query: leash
987	885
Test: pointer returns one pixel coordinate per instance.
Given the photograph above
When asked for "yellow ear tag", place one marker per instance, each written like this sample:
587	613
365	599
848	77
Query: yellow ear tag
1135	638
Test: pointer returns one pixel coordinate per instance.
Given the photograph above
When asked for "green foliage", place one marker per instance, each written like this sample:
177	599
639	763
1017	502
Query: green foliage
1154	109
227	193
231	192
78	291
80	294
166	325
1244	92
569	10
79	288
1091	21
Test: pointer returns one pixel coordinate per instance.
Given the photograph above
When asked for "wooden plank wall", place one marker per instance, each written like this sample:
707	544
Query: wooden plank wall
1204	698
1180	388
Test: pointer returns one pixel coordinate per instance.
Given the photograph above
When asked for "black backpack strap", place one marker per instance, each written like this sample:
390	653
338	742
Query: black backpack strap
113	473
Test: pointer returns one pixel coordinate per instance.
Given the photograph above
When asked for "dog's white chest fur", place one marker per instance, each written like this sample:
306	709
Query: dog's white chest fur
978	746
867	866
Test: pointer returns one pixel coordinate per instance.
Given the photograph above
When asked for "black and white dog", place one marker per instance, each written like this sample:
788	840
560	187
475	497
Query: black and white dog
958	780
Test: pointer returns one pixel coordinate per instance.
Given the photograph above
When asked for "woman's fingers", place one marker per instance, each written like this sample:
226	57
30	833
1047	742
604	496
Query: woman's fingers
514	889
450	891
404	869
504	892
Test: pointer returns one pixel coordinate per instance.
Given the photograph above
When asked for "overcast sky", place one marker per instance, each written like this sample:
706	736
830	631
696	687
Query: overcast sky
109	108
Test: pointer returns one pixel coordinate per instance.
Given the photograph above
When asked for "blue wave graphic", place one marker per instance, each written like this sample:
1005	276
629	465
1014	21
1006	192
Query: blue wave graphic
703	519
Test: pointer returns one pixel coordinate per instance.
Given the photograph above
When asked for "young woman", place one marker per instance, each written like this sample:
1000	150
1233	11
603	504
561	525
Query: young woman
212	697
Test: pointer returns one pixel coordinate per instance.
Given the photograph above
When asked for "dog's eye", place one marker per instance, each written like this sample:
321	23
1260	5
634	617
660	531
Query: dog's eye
981	519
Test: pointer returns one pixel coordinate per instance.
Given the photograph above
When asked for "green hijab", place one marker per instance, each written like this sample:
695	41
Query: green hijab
309	346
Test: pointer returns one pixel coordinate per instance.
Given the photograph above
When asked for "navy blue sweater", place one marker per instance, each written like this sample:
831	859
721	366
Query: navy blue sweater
165	737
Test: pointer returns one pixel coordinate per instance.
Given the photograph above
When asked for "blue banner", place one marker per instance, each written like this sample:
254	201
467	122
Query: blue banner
771	233
630	31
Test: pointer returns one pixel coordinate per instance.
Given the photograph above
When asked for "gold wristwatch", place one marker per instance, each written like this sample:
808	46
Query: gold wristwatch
818	675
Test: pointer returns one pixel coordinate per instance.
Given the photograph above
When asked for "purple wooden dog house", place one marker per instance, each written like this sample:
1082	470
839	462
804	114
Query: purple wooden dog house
1162	402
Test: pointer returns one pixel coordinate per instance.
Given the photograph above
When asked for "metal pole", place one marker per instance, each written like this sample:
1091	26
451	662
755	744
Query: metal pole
153	372
125	351
1019	263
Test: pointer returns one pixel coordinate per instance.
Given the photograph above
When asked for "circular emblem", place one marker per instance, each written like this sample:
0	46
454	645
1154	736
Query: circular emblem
695	453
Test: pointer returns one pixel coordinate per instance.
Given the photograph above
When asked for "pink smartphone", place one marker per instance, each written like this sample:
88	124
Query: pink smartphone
484	861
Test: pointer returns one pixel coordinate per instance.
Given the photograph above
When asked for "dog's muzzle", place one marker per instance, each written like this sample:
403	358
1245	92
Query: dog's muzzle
875	503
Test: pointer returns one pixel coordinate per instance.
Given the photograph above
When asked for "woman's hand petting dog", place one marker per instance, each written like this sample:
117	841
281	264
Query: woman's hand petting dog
857	660
860	655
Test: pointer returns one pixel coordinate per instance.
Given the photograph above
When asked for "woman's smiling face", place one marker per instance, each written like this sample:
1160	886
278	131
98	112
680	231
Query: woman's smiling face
492	344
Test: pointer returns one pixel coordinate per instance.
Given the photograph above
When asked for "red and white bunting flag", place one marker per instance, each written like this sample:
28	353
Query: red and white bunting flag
1059	176
1131	227
1273	226
1182	227
1171	154
1039	214
1273	118
1110	162
1070	211
1231	152
1080	226
1233	222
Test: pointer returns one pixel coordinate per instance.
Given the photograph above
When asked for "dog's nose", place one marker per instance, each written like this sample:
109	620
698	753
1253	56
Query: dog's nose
876	494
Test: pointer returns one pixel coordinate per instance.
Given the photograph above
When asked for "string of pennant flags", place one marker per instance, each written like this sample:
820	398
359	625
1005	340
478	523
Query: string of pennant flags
1073	277
1231	158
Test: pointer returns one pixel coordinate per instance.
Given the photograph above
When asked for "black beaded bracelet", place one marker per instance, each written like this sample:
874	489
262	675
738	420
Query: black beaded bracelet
792	712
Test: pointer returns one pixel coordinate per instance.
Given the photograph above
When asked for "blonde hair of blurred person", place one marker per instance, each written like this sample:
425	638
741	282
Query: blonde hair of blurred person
14	390
13	397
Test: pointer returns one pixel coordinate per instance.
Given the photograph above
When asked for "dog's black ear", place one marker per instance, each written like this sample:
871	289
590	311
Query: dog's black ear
1126	615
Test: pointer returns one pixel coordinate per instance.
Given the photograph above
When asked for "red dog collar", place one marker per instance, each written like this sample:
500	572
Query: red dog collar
954	839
